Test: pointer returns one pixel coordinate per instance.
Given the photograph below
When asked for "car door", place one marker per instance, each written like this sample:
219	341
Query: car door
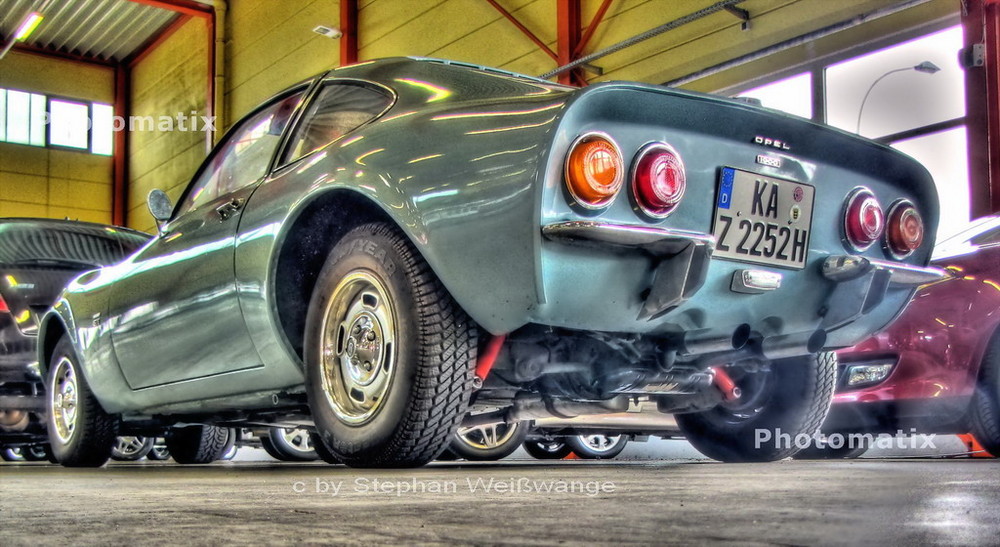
176	315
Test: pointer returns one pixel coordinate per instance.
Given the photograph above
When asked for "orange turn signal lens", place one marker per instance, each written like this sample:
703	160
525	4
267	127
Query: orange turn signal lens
594	171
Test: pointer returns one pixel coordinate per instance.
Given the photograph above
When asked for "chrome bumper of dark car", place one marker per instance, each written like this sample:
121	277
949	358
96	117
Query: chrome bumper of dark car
682	257
862	284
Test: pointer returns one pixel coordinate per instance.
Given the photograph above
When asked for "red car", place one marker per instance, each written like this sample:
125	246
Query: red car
936	369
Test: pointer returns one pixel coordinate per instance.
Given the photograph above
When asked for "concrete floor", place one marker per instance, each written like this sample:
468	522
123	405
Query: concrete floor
911	501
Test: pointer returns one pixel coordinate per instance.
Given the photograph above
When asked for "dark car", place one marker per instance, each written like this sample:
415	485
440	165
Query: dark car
936	370
38	257
373	250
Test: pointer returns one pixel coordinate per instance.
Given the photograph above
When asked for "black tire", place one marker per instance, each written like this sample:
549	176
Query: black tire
11	455
130	448
597	447
389	355
199	443
289	445
322	450
826	452
985	412
81	433
489	442
547	450
791	399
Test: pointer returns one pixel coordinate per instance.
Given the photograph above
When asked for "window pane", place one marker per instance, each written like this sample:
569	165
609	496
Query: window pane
37	120
792	95
18	105
338	109
944	155
3	115
900	100
68	123
102	134
243	158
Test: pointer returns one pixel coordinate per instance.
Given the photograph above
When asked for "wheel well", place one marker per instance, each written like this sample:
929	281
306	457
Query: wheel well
52	332
306	246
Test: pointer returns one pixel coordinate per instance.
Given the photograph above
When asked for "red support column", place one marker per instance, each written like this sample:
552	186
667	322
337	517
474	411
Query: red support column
349	28
568	20
119	180
982	89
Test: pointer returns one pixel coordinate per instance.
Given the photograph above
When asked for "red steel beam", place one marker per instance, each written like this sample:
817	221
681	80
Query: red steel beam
568	21
531	35
187	7
349	28
119	180
982	89
589	33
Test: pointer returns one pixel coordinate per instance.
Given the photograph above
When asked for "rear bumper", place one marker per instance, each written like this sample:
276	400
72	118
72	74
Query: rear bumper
682	257
617	277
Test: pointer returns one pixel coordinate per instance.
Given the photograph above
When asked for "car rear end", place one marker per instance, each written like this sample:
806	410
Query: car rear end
38	257
665	211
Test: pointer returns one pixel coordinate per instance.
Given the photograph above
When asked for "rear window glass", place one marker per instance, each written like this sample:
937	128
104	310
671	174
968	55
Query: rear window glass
337	109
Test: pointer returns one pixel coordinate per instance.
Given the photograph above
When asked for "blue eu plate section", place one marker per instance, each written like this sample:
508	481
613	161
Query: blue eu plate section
726	188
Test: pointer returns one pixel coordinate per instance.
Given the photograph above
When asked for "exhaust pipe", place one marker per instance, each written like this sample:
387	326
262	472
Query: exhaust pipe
700	342
533	406
793	345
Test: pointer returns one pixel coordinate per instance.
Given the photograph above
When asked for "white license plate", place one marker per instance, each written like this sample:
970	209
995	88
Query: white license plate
762	219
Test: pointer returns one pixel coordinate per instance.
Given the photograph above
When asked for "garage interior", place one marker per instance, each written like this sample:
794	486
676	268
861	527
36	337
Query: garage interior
162	80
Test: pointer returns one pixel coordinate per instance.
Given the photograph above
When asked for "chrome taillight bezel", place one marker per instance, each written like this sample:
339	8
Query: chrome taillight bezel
642	154
620	178
893	210
864	193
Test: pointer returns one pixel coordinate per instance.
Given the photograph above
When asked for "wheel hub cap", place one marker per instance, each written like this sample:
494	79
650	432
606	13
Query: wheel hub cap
357	357
64	400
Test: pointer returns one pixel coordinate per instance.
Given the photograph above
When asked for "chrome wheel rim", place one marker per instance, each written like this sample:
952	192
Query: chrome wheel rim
600	443
357	357
129	446
297	440
487	437
64	400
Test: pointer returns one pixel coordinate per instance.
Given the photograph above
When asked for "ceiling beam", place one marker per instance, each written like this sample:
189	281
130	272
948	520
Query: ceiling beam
187	7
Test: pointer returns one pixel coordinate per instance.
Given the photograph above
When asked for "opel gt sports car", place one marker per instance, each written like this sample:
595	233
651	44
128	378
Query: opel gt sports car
380	250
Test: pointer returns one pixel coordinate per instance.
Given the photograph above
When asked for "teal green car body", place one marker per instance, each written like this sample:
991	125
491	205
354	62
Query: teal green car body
468	164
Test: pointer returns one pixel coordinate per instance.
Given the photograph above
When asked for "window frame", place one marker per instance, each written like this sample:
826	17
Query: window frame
304	88
313	96
47	129
90	122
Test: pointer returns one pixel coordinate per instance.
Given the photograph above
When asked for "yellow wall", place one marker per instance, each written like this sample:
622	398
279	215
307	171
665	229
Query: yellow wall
270	46
172	79
43	182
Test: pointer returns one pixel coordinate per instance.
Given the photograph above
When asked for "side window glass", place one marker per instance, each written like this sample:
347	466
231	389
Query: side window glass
337	109
243	157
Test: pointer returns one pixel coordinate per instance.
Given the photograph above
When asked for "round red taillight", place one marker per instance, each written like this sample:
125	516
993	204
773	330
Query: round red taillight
863	219
594	170
904	229
658	180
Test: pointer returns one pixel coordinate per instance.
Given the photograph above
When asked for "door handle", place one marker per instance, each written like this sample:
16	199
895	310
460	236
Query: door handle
230	208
